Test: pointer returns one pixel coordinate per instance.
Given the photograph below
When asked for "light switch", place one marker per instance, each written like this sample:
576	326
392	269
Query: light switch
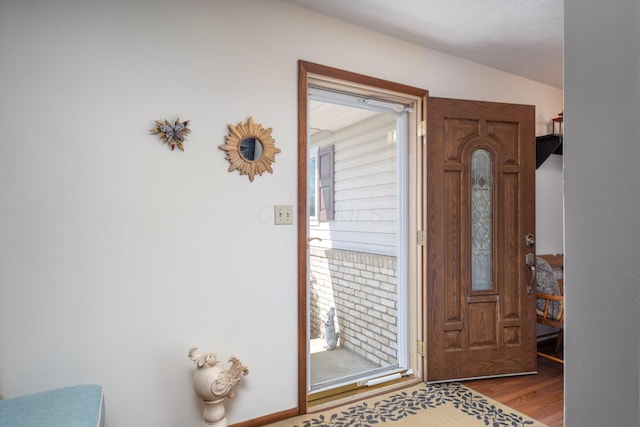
283	214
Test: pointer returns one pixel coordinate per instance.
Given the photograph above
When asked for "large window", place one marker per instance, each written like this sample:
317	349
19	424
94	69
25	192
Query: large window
357	175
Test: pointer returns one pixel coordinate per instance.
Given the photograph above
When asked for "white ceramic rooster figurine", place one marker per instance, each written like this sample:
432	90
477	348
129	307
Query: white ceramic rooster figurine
212	384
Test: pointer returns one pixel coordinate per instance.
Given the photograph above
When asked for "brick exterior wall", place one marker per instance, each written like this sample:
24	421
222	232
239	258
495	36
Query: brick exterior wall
362	287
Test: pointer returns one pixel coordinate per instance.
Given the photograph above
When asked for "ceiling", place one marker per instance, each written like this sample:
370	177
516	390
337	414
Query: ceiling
522	37
327	117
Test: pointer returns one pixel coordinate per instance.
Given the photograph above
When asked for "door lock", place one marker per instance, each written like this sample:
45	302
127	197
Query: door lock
529	240
530	259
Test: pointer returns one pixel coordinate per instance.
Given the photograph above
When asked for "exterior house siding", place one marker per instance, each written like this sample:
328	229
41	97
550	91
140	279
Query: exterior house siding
365	188
354	267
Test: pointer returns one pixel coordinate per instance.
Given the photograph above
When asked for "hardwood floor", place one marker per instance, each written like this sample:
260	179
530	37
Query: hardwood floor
539	396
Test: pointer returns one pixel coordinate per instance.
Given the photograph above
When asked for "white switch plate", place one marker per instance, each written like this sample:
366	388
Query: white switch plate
283	214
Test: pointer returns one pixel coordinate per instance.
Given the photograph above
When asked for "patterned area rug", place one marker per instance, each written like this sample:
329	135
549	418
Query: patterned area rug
424	405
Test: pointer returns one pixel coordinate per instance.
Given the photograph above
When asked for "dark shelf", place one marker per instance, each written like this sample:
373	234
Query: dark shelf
547	145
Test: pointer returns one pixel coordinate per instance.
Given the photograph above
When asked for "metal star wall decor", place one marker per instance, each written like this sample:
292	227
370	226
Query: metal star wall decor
174	133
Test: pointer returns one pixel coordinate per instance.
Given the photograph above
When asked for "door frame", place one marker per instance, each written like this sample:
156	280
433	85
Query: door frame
307	72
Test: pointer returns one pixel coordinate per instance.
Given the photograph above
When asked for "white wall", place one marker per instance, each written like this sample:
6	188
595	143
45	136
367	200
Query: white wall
602	202
549	206
116	254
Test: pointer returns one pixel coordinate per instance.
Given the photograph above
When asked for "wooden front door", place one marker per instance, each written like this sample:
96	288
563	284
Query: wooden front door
480	206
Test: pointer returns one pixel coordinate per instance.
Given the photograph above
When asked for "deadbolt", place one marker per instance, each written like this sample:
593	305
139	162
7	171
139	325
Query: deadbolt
529	240
530	259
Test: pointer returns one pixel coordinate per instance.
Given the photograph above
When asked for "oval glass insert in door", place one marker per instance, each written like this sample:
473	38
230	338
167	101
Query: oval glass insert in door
481	220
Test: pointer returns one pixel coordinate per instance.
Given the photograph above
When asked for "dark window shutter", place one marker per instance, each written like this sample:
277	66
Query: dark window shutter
325	183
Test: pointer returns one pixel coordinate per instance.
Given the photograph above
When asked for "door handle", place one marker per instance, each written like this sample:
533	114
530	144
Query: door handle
530	260
313	238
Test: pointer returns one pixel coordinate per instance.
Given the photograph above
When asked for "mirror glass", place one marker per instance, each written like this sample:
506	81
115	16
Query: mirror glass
251	148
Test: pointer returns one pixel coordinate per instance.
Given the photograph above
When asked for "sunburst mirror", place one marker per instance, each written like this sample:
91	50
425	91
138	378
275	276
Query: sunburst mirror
250	148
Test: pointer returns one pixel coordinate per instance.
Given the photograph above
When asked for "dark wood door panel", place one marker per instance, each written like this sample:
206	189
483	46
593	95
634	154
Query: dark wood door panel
490	329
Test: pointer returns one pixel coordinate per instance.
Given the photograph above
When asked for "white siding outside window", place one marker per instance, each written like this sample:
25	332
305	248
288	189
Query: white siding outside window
365	187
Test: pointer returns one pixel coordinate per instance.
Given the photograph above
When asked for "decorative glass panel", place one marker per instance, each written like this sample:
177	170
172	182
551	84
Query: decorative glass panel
481	220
